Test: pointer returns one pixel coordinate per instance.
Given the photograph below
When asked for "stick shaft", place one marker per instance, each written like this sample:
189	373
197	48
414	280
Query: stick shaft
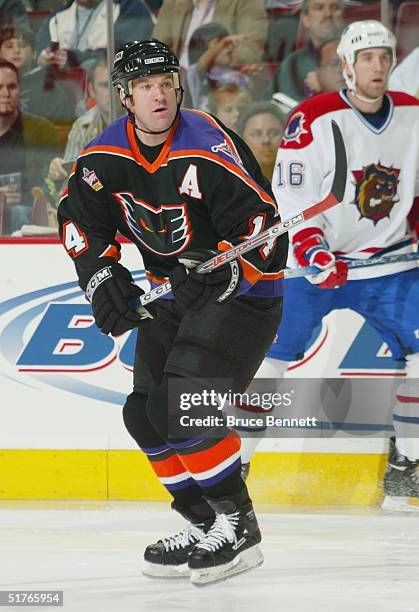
354	265
334	197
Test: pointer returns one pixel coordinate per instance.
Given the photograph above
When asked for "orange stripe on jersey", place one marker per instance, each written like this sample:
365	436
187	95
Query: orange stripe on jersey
64	194
154	279
250	272
273	275
168	467
216	125
107	149
139	157
112	251
231	167
207	459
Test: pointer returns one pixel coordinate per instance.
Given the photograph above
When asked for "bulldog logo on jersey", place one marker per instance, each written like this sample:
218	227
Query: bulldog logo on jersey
376	191
164	230
295	128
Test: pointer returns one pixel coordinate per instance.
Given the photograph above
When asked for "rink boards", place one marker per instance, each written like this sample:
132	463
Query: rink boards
63	385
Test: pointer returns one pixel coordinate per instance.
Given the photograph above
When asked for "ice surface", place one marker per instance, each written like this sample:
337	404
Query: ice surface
331	560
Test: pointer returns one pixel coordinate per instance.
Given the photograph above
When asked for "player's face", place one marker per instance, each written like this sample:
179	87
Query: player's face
263	134
372	69
9	92
154	102
323	18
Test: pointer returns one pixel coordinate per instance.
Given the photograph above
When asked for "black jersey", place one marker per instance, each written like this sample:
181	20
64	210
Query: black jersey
204	190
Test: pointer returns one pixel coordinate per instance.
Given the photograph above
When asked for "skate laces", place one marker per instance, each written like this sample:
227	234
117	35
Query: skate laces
191	534
224	528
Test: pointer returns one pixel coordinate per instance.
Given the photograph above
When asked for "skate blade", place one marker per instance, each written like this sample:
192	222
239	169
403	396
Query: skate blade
248	559
400	504
165	572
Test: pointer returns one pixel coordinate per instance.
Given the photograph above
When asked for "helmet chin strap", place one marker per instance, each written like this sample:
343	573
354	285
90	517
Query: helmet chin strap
132	118
367	100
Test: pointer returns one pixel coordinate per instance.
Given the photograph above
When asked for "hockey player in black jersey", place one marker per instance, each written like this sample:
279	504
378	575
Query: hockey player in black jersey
180	186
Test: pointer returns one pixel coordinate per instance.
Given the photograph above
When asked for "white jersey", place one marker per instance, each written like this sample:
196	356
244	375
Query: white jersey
405	76
382	179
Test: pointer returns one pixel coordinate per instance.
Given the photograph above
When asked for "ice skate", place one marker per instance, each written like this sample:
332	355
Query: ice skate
168	557
229	547
401	482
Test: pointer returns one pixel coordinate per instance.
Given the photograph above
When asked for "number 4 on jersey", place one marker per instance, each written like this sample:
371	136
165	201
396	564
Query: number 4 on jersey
74	239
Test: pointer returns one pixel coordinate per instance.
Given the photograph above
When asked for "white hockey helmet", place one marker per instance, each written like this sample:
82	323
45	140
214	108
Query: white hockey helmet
361	35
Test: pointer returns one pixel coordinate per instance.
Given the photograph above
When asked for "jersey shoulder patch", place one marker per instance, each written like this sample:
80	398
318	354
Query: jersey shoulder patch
201	134
298	133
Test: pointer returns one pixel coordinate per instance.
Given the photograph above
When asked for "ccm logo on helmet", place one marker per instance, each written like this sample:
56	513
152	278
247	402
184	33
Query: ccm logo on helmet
154	60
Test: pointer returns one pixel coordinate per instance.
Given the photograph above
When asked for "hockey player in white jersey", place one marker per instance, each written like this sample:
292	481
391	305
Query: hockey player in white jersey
381	134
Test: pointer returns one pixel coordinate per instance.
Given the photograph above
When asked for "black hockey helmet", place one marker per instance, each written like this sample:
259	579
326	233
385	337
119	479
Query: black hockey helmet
139	59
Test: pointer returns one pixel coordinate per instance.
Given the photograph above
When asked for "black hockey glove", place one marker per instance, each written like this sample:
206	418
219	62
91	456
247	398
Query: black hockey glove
193	290
111	290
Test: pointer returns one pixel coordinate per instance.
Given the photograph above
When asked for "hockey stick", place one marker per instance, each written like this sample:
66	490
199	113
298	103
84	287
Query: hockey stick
334	197
353	265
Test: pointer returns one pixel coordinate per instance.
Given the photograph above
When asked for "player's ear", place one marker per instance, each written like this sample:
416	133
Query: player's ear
125	100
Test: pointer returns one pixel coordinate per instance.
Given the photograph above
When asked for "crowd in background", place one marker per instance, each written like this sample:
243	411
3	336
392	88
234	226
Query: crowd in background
249	62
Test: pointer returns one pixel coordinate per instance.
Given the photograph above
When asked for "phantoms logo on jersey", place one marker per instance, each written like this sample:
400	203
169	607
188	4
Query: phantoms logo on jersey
164	230
376	191
295	128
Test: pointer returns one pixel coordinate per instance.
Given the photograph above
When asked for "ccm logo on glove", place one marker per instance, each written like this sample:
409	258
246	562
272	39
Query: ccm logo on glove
111	290
94	282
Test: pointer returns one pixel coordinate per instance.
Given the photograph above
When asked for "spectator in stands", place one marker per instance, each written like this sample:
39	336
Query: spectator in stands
405	76
210	56
328	76
40	93
13	10
73	33
178	19
227	102
261	126
26	144
322	19
283	24
84	129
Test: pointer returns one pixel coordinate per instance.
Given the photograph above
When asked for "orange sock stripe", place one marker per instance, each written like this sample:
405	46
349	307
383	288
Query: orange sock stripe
171	466
202	461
